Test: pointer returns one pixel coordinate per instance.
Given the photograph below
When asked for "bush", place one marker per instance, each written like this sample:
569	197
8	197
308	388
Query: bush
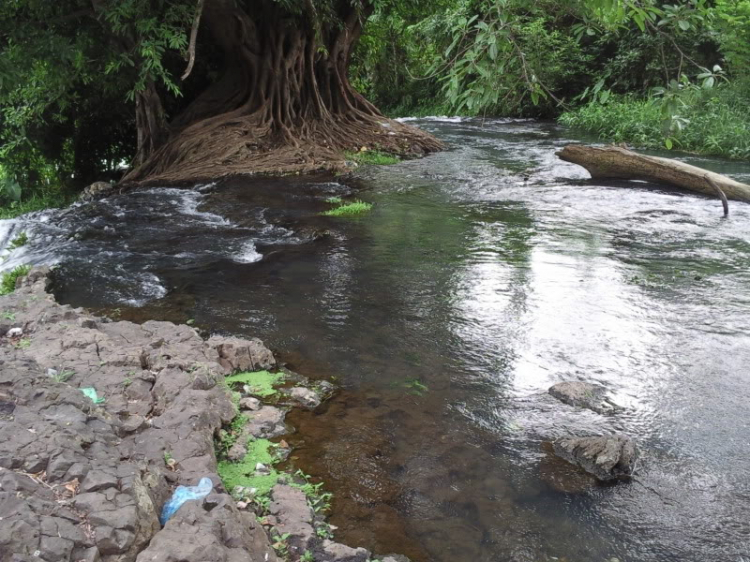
718	123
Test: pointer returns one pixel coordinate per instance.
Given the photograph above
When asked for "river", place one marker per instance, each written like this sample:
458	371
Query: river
483	275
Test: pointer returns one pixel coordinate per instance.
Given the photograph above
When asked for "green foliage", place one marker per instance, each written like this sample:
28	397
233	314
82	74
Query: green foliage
349	209
229	436
63	376
319	500
36	202
261	383
18	241
713	122
333	200
9	278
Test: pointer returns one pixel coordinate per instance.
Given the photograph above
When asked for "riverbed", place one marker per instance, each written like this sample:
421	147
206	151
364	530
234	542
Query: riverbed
483	275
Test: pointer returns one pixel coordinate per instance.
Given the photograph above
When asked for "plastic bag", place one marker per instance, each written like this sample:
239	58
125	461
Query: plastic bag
183	494
90	393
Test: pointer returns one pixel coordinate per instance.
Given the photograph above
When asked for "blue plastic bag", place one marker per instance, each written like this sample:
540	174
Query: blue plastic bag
183	494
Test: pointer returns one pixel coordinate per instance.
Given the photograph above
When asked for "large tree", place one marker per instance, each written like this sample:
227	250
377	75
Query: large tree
264	84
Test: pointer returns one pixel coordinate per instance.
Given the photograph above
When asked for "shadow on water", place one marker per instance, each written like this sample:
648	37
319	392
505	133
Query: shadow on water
482	276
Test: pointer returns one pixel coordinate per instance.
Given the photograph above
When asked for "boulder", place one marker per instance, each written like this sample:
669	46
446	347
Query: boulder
607	457
266	423
305	396
236	354
582	395
331	551
96	190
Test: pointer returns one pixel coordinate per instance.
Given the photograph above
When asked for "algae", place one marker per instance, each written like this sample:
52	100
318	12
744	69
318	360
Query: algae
243	473
261	383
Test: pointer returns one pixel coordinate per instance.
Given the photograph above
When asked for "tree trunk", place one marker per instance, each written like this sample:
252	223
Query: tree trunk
283	103
613	162
150	123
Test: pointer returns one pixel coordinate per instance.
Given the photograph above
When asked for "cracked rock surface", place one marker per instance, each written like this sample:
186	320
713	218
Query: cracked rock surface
86	481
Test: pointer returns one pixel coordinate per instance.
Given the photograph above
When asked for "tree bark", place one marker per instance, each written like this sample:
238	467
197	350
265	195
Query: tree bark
150	122
283	103
612	162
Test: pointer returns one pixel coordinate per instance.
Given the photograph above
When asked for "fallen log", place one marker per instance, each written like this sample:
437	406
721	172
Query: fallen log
613	162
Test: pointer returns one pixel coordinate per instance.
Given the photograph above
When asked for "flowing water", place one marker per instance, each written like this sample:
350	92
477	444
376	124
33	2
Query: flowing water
483	275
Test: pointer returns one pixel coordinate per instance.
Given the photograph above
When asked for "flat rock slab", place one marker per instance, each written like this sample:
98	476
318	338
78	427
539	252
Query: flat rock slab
85	481
583	395
607	457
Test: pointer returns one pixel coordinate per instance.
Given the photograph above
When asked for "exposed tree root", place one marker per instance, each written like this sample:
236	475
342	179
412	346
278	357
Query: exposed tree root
283	103
216	147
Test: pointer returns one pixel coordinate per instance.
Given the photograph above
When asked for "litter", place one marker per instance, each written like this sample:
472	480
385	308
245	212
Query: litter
90	392
183	494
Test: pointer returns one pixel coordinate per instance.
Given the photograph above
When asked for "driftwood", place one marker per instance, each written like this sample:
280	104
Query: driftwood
613	162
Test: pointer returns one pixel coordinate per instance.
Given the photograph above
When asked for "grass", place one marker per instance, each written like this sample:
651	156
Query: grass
261	383
718	122
9	278
36	202
374	157
349	209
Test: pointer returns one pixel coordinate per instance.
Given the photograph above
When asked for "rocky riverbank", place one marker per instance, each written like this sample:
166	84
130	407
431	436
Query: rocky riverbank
84	475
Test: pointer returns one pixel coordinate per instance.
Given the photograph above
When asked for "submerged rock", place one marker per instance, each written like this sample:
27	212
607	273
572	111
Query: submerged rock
305	396
583	395
607	457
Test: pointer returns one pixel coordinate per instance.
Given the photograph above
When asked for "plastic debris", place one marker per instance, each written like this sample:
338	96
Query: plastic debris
90	393
183	494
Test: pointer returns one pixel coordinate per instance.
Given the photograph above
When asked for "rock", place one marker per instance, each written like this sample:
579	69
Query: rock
220	534
562	476
305	396
15	333
260	468
582	395
236	354
250	403
96	190
237	451
607	457
266	423
394	558
331	551
294	516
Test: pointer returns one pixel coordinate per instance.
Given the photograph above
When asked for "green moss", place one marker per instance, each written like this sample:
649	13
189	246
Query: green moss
372	157
8	281
261	383
242	473
355	208
334	200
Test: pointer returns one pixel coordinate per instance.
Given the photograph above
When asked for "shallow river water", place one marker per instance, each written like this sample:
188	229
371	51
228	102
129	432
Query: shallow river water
482	276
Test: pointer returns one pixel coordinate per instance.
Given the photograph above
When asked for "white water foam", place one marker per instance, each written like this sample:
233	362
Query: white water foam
247	254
